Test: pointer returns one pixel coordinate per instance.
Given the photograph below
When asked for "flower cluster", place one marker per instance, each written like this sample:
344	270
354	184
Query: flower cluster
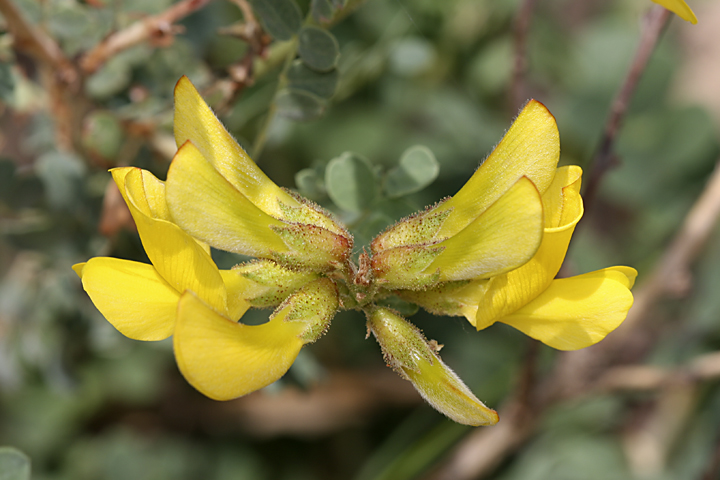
489	253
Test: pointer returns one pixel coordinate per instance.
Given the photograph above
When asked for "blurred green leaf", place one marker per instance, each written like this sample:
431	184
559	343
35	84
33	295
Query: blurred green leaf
321	10
301	77
351	182
310	184
7	82
14	465
281	18
318	48
299	105
417	169
61	173
102	134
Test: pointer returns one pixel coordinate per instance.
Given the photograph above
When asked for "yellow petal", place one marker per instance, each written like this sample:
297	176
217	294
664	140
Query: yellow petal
204	204
576	312
502	238
504	294
147	192
237	288
226	360
132	296
531	148
175	255
195	121
679	8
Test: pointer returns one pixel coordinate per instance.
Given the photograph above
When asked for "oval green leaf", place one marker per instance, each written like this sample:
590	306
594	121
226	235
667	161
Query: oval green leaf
417	169
309	184
300	77
281	18
321	10
299	105
318	48
351	183
14	465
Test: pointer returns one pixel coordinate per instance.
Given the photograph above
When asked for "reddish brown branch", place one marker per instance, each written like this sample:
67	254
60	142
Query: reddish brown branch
155	27
520	34
604	158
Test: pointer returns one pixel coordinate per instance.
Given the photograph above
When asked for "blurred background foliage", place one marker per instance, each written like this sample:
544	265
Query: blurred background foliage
388	106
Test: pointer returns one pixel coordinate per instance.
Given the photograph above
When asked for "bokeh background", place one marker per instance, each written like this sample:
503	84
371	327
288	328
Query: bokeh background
85	403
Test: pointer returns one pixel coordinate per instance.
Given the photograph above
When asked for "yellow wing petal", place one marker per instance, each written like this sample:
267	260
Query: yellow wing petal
576	312
679	8
204	204
195	121
504	294
502	238
226	360
132	296
176	256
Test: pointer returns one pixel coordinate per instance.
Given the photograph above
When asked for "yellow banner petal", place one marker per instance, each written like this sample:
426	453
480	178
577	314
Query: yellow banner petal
679	8
504	294
207	206
502	238
576	312
195	121
132	296
175	255
226	360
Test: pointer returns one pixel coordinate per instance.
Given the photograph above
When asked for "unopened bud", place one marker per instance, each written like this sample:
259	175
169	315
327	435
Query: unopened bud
408	352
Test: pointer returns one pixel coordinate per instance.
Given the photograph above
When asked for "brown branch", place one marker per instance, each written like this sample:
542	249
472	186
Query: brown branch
520	33
35	42
604	159
158	26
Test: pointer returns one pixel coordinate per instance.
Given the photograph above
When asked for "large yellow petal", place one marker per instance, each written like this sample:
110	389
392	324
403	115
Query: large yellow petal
504	294
679	8
577	312
226	360
531	148
195	121
204	204
177	257
502	238
132	296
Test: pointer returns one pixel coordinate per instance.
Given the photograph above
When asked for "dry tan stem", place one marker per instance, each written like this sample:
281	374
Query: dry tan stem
157	26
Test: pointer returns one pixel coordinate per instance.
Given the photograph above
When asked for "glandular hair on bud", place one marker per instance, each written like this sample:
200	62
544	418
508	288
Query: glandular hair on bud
414	358
314	305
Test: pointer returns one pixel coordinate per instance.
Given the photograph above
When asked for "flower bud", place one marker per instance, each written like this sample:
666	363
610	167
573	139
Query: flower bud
408	352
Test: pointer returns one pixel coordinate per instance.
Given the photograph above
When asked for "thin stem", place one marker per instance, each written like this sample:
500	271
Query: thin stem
604	158
520	65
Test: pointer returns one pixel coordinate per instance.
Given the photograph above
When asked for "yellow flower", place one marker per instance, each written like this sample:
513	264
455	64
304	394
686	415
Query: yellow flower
679	8
217	194
183	293
566	314
490	253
